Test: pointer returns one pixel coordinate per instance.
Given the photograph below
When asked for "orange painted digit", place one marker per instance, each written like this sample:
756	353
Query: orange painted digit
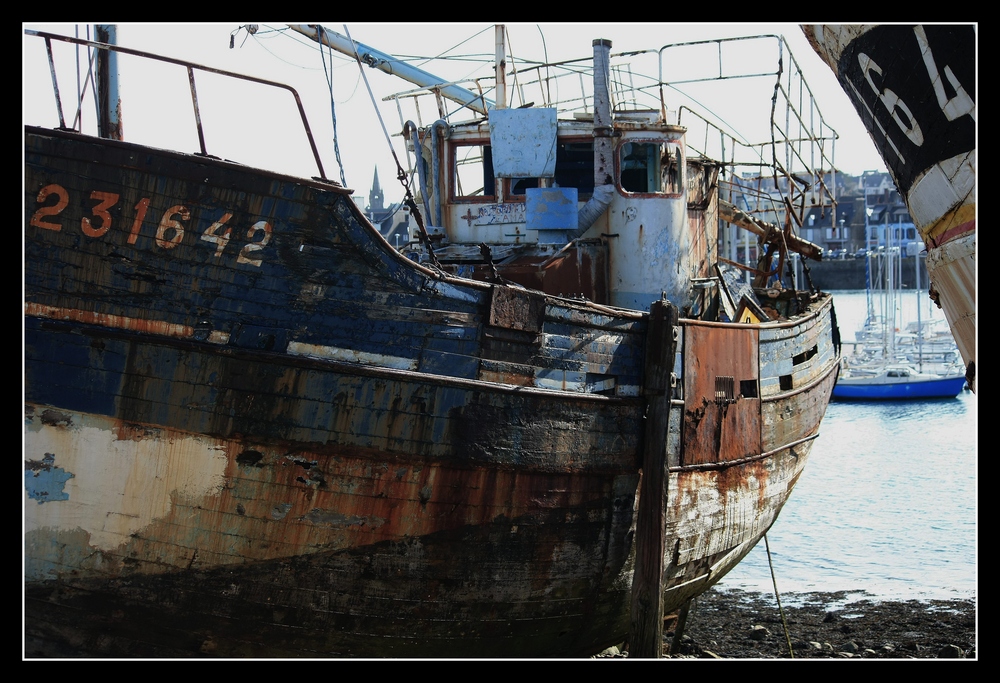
62	200
167	223
140	216
106	201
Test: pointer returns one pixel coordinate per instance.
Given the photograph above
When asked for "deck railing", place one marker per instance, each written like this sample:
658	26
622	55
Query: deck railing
191	69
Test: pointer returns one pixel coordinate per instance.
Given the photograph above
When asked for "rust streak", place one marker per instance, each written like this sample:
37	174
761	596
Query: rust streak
116	321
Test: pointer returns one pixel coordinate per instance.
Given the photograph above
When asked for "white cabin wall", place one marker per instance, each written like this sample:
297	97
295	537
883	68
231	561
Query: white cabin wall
649	252
650	249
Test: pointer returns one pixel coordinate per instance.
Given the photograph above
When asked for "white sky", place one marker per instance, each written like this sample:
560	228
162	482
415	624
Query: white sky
239	124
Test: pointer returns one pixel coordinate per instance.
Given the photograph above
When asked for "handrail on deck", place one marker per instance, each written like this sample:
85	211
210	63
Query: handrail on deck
803	132
191	67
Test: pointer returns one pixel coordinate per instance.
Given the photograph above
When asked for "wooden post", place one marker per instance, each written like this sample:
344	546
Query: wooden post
646	629
682	617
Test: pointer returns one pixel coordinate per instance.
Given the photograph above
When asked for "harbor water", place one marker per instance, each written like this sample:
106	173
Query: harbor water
887	503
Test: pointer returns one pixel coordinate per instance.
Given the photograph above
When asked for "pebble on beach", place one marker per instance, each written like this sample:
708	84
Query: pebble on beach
736	624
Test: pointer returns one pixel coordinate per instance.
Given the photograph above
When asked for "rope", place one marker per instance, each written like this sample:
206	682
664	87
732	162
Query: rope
333	110
400	173
777	597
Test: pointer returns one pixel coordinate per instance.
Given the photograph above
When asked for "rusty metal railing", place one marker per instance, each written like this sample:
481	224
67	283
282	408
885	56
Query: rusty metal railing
798	153
191	67
782	140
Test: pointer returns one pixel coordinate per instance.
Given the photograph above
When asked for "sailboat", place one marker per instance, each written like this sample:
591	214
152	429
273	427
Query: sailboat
888	365
255	428
892	381
928	343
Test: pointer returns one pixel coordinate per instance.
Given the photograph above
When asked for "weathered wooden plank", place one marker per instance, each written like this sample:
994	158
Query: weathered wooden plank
646	632
323	467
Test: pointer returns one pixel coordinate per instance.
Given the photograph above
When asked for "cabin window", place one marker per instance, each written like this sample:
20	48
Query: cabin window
472	172
574	168
650	168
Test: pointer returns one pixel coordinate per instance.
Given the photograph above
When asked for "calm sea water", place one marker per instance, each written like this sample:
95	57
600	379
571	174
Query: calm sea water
888	501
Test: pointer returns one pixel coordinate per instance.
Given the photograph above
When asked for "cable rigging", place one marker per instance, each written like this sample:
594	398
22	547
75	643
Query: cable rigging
333	109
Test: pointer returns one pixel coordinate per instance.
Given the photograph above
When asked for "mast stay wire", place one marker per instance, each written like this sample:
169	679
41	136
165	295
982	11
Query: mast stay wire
400	173
333	110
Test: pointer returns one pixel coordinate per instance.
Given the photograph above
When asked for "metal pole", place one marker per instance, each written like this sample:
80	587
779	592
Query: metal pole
109	123
501	66
603	126
392	65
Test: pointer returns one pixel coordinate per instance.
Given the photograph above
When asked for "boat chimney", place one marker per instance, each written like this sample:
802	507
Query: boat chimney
604	190
603	128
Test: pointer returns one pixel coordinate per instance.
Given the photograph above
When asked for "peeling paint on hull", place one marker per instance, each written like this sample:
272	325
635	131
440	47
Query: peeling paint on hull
914	89
327	450
354	555
226	570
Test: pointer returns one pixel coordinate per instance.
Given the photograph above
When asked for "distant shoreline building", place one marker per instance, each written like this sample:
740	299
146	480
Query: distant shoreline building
870	214
393	222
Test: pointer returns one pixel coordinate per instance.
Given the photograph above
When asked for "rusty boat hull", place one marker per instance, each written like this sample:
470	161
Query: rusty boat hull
288	440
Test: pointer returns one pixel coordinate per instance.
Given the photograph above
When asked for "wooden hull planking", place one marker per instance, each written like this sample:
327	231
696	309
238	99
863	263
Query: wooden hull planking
285	439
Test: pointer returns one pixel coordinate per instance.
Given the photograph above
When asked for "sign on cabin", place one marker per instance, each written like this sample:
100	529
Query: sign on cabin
523	142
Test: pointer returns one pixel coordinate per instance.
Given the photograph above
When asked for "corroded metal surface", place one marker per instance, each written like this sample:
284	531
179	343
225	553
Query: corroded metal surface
581	270
253	429
720	427
343	544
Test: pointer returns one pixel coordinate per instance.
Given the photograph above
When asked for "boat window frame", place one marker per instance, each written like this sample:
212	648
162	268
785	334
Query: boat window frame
678	182
509	196
453	176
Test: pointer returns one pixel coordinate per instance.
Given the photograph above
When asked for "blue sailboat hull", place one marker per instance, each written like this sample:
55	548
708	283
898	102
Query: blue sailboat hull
945	387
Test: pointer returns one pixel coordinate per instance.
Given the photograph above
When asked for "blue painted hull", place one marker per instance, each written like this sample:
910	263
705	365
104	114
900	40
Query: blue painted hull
254	429
946	387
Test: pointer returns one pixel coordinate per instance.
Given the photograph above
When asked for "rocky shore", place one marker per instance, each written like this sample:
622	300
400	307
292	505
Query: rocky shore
734	624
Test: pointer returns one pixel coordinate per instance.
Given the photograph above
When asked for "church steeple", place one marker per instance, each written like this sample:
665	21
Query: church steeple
376	200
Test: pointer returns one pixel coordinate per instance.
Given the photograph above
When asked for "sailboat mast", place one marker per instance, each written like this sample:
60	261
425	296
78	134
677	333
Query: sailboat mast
868	257
891	290
920	327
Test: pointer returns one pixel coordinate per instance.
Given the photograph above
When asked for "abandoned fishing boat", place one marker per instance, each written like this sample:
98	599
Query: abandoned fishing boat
914	89
253	428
